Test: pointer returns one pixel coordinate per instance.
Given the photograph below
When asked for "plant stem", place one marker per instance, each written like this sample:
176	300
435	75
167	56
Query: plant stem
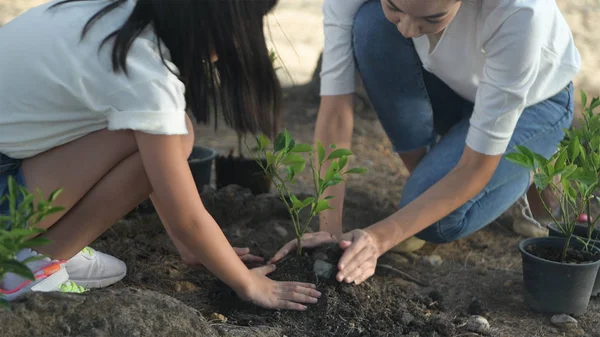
563	256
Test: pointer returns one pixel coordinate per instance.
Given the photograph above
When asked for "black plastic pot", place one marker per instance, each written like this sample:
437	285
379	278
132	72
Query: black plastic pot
201	161
552	287
241	171
581	231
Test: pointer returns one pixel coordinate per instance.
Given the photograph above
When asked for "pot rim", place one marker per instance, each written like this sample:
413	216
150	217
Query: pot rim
527	242
211	154
555	227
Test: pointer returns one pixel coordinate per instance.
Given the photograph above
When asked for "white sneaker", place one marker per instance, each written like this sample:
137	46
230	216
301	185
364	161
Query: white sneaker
53	277
527	225
93	269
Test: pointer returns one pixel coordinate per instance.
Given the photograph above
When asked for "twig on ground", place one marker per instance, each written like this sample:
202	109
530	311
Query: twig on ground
403	274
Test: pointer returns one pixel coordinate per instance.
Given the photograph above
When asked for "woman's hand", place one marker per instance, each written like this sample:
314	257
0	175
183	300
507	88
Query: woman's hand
270	294
309	240
244	254
359	260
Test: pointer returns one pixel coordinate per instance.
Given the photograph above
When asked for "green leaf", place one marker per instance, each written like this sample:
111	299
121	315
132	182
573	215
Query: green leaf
339	153
595	103
329	197
293	158
12	266
298	168
270	158
332	146
334	181
541	180
560	161
519	159
583	176
321	152
296	203
572	193
55	195
583	98
322	205
342	162
540	160
291	173
332	170
356	170
262	142
301	148
573	149
280	142
307	201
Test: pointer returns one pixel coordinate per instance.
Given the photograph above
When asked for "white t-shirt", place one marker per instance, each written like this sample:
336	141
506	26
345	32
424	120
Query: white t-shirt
503	55
55	87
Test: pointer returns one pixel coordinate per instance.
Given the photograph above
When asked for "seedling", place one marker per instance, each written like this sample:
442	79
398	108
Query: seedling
22	219
577	162
286	156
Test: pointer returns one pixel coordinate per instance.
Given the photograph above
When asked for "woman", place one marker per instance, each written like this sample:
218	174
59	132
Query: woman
93	100
482	76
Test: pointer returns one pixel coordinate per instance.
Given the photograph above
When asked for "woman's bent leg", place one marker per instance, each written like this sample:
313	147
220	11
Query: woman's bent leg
540	128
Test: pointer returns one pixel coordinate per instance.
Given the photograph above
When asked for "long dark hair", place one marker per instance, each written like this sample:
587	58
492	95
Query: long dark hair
242	84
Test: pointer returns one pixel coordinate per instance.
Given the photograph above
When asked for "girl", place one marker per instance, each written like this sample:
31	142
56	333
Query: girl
93	99
456	85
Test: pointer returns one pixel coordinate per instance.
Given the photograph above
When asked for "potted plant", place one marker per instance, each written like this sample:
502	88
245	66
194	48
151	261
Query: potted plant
241	170
18	227
284	162
559	272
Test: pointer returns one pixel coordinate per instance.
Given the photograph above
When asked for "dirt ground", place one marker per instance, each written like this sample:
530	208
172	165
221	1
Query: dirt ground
483	270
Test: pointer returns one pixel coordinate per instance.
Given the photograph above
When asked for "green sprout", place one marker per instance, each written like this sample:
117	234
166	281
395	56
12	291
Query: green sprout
22	218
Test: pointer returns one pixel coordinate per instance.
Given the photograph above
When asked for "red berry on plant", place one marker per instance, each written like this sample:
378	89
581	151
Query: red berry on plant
582	218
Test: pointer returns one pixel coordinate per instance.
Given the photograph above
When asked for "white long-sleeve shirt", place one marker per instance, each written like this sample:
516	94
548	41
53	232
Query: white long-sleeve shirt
503	55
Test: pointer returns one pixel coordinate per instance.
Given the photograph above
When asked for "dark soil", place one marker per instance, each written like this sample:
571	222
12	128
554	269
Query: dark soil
376	309
574	256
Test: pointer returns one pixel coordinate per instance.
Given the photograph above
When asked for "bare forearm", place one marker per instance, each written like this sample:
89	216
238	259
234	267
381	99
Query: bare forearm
454	190
334	126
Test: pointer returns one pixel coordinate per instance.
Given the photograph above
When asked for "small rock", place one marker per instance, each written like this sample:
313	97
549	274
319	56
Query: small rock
477	308
564	322
407	318
280	230
433	260
436	296
478	324
413	334
323	269
507	283
218	317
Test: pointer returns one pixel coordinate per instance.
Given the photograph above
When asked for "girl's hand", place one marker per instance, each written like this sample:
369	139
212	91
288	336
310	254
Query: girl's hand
309	240
360	257
244	254
270	294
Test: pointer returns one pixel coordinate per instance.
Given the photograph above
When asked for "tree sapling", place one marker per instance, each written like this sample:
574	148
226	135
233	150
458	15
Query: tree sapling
577	163
286	156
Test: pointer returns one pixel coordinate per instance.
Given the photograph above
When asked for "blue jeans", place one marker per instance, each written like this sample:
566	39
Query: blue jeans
417	110
9	167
